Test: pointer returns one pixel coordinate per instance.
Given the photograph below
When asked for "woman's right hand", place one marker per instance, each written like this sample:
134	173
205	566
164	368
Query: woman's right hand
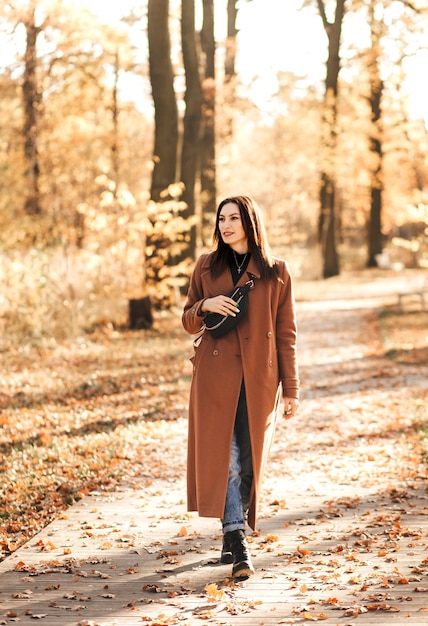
220	304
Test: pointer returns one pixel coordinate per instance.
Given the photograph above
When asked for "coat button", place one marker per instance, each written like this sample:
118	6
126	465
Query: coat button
193	311
269	333
215	352
270	363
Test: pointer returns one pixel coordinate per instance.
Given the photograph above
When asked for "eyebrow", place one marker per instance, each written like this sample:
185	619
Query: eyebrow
230	214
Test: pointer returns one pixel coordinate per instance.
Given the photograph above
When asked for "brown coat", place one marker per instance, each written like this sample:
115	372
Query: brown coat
262	350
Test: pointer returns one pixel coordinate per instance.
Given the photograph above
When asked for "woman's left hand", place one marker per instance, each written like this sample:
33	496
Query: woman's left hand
290	407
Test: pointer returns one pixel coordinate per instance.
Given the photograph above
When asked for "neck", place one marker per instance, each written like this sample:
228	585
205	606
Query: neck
240	248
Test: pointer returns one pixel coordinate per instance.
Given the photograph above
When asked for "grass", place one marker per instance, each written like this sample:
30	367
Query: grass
405	335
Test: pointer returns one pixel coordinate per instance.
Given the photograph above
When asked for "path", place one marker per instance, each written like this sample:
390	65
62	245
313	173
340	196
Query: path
344	527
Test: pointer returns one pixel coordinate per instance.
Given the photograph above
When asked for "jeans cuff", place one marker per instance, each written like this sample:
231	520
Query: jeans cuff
231	526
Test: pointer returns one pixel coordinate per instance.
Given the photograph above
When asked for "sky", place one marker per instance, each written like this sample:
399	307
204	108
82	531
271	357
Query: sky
296	41
274	35
291	41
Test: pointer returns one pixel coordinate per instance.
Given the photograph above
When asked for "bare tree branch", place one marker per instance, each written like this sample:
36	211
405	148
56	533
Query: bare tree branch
321	8
410	5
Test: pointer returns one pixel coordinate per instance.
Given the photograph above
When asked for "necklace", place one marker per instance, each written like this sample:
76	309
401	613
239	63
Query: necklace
239	265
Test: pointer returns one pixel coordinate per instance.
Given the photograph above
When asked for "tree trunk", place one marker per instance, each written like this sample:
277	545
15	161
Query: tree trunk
228	105
115	122
208	172
376	88
32	101
192	118
327	217
140	313
157	243
232	31
166	115
375	225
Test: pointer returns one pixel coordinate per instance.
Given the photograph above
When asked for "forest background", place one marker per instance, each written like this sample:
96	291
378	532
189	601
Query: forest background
121	127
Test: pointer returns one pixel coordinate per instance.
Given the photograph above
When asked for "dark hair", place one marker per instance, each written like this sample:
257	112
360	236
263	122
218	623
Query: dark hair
252	222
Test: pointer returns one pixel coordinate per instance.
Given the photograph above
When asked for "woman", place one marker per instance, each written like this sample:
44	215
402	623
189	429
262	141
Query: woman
238	379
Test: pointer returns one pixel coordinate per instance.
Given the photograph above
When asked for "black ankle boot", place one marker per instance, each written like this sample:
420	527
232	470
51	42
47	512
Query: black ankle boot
242	566
226	552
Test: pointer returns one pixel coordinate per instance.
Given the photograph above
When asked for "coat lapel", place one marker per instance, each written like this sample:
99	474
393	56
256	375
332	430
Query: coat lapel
251	269
224	283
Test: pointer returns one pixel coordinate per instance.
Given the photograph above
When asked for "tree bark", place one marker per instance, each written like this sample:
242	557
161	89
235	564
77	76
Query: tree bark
166	115
190	153
140	313
32	101
375	142
115	156
232	31
228	108
208	168
327	217
157	244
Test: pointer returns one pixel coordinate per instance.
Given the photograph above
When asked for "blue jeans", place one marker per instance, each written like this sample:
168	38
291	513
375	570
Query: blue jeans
240	471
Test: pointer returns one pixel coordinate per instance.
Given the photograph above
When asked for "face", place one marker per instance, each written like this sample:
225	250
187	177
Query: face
231	228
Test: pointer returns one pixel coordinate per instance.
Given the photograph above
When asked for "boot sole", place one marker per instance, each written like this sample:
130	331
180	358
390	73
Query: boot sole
242	572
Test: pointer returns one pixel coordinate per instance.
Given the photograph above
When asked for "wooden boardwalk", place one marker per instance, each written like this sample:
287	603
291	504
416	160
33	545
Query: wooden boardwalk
137	558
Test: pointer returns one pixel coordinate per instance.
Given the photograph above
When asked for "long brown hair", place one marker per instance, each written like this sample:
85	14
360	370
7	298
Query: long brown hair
254	228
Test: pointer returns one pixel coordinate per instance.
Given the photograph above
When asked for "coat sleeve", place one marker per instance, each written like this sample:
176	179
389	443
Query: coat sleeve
192	318
286	336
